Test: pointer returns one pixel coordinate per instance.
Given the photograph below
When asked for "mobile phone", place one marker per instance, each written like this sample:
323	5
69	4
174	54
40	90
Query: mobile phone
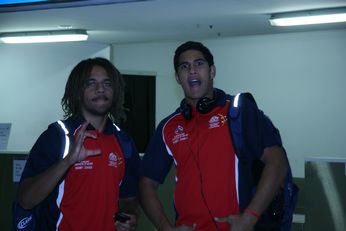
121	217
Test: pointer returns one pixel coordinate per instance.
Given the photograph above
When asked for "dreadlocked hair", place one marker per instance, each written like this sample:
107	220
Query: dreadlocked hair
75	86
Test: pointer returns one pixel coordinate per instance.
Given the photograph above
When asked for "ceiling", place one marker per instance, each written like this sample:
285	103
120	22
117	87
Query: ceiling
165	20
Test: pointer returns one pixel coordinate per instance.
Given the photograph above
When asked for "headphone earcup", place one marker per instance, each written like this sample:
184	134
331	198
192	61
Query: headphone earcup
205	105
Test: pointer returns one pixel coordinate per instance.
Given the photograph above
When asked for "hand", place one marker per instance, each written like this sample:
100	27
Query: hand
78	152
128	225
241	222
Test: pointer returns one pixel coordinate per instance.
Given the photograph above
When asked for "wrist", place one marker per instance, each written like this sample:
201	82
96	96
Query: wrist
66	162
251	215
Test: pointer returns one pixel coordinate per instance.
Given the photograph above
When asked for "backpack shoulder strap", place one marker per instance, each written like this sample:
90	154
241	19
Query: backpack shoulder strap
238	100
234	109
242	108
237	114
65	137
125	142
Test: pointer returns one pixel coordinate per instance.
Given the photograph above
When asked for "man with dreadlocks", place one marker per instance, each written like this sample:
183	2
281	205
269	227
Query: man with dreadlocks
83	170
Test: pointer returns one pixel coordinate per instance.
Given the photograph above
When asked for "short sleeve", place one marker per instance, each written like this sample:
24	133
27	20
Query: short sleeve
156	162
45	152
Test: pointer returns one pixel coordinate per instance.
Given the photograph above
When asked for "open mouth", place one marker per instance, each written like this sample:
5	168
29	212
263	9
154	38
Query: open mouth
100	98
194	83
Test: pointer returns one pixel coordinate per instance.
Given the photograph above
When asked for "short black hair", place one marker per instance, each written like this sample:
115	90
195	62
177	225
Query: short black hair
192	45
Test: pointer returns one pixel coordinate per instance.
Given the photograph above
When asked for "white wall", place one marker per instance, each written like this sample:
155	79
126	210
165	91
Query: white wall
32	83
298	79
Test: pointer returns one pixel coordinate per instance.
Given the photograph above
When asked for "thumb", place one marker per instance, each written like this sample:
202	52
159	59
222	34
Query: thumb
93	152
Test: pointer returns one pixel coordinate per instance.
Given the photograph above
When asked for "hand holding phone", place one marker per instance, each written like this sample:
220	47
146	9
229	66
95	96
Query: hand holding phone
121	217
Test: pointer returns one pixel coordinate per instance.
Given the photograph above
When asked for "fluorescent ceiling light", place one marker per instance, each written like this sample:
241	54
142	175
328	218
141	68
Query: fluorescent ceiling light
44	36
4	2
309	17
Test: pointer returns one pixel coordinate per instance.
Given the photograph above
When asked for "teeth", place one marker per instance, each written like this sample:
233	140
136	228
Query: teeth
194	82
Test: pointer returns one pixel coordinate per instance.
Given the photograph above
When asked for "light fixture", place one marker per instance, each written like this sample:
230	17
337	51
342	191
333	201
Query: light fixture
44	36
309	17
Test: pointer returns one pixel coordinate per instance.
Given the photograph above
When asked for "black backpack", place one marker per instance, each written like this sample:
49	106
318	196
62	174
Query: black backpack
245	131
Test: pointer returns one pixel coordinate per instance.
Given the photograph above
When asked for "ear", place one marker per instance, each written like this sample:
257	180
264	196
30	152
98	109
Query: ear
212	71
177	78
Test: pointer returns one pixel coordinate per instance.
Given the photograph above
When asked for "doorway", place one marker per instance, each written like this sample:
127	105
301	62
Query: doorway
140	109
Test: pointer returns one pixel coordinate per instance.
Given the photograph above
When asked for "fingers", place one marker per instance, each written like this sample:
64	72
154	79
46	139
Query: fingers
92	152
74	153
90	135
122	226
221	219
81	135
128	225
228	219
78	151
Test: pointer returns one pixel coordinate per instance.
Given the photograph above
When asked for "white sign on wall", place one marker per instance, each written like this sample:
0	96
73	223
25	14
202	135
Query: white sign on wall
18	166
5	129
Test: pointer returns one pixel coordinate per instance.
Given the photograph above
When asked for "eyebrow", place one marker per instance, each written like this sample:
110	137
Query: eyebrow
199	59
94	78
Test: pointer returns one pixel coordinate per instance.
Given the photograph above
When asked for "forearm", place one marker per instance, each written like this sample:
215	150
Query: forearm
33	190
151	204
272	177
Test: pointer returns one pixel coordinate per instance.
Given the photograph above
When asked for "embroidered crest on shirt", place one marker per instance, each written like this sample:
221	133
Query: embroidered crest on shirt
114	160
217	121
179	134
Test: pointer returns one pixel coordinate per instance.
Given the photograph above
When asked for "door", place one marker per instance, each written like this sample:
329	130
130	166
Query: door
140	109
